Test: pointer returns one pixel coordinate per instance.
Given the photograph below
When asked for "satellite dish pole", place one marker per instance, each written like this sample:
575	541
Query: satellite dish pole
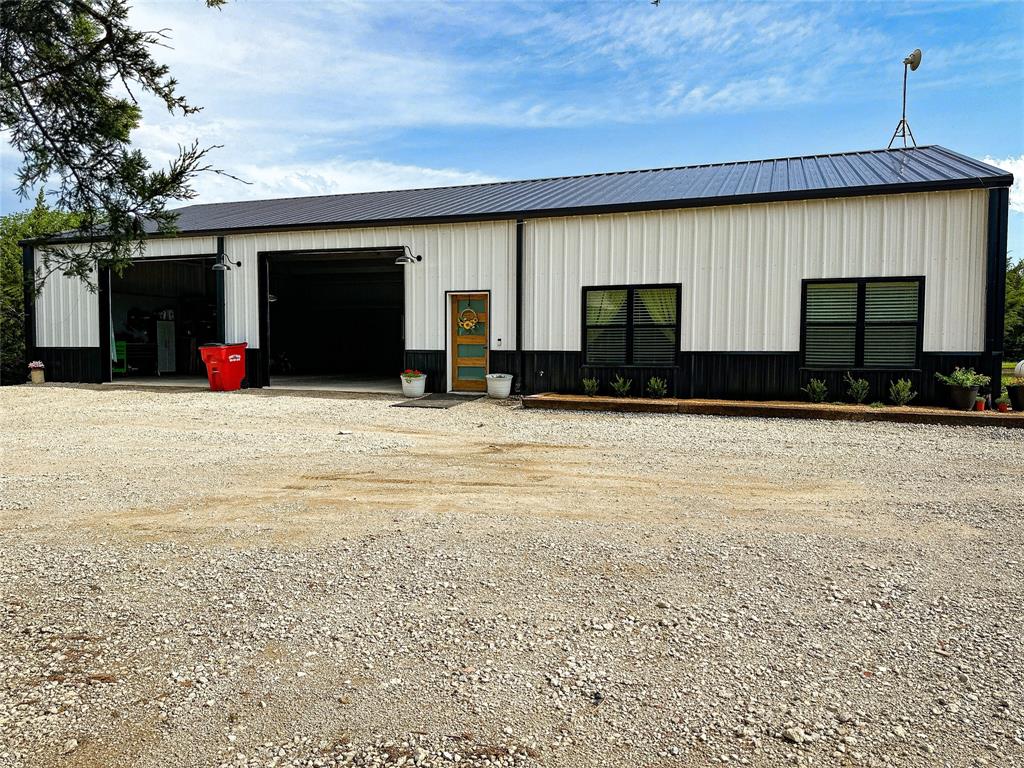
911	63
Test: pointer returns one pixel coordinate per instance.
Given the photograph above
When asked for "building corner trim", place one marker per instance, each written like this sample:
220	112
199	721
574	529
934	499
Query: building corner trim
28	275
995	282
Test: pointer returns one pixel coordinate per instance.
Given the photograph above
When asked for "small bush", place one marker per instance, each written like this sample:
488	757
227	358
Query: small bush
816	391
964	377
901	391
878	404
590	386
621	386
657	387
857	389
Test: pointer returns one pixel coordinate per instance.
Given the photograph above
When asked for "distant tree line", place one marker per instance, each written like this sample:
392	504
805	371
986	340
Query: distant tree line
1014	332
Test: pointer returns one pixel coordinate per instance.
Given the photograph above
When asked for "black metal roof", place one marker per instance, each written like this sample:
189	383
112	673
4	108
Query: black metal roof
790	178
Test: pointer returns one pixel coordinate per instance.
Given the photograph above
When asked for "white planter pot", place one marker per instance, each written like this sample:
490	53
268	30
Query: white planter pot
499	385
38	376
414	387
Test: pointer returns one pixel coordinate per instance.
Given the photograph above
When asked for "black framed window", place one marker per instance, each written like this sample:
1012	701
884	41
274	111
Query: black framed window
631	325
863	322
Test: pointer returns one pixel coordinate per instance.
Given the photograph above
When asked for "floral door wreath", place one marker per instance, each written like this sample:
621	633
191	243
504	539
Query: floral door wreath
468	319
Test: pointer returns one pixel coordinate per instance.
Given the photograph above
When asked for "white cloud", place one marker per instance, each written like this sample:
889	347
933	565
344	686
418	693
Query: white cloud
332	177
1015	165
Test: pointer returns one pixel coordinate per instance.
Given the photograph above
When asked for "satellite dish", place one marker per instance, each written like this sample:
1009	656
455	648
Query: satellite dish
913	60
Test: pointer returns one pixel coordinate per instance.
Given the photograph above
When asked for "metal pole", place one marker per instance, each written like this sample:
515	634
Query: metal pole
904	120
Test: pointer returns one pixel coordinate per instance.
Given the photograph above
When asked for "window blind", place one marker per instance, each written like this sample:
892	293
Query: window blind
606	315
636	325
831	317
890	324
862	323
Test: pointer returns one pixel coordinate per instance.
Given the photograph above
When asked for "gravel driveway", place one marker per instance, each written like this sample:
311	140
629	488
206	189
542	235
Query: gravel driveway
200	579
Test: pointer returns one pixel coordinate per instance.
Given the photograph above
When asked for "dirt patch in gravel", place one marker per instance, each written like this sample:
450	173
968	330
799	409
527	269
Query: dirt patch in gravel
238	580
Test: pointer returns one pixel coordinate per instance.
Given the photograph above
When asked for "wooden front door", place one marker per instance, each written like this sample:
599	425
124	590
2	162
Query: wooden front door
469	333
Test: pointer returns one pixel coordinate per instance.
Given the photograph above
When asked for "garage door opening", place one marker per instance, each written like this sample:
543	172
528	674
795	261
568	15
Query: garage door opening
336	320
160	314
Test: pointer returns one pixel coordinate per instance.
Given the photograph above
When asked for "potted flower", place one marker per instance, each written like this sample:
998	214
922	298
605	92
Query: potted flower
1003	402
1015	391
979	403
35	370
499	385
963	386
414	383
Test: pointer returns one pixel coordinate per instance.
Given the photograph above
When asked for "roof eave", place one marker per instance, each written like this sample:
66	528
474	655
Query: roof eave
981	182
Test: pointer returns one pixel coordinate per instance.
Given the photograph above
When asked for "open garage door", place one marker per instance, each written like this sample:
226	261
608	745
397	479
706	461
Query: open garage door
335	320
161	312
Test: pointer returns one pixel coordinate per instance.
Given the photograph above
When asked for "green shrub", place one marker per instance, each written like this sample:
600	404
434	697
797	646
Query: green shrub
878	404
857	389
621	386
41	220
657	387
816	390
901	391
590	386
964	377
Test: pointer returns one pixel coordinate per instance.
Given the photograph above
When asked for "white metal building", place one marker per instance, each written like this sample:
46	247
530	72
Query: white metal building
730	280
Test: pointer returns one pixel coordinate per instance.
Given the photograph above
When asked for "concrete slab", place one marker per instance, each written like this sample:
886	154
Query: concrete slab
386	385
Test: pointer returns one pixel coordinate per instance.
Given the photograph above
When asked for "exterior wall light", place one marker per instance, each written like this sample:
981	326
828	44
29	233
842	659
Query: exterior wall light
408	257
223	264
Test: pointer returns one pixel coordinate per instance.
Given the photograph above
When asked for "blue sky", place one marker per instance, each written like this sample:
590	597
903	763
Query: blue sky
319	97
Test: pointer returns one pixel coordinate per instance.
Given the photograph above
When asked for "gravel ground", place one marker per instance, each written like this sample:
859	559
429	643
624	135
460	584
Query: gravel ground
199	579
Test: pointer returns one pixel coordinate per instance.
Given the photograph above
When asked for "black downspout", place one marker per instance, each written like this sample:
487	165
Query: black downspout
219	283
103	291
520	356
28	267
995	284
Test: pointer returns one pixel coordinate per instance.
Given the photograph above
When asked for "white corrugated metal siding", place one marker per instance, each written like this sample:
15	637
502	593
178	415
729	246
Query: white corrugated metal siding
475	256
741	266
67	312
165	247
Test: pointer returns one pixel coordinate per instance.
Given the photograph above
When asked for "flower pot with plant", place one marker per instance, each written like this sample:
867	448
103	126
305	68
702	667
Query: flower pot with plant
963	386
1003	402
36	372
979	403
1015	391
414	383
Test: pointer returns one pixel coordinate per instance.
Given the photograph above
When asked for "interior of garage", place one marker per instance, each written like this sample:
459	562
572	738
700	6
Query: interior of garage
336	320
160	314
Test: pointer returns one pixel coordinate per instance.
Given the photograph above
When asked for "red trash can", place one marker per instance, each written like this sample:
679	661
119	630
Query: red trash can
225	365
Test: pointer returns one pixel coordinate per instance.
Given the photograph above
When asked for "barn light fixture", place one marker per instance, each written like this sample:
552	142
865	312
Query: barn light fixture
407	257
911	63
223	264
